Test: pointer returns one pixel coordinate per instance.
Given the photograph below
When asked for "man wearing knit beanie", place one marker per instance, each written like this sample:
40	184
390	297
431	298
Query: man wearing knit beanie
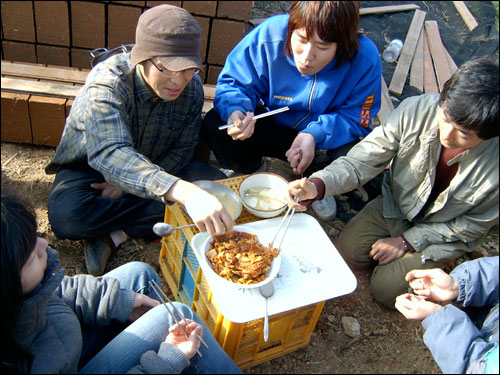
127	147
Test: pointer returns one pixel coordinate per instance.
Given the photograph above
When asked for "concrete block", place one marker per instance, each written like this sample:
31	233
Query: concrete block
150	4
48	116
236	10
134	3
205	29
17	21
201	8
52	55
69	104
122	22
224	36
18	51
80	58
213	74
52	22
88	24
16	125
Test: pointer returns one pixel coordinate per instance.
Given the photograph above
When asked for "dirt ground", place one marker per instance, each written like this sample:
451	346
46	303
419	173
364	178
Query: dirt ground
388	342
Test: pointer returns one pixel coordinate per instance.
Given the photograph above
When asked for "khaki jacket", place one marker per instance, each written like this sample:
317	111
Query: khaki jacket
408	141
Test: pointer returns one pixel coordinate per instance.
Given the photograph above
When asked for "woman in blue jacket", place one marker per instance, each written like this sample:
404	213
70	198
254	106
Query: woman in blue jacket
312	60
463	336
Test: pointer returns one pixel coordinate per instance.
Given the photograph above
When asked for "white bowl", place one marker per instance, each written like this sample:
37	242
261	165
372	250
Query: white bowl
229	199
212	275
263	179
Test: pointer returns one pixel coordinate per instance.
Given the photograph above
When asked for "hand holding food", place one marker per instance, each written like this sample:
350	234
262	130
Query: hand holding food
206	211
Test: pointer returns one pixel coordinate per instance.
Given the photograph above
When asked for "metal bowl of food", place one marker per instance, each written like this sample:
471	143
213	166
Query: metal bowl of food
239	260
224	194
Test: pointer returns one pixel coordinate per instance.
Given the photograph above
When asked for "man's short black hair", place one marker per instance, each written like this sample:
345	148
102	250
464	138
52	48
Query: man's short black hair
470	97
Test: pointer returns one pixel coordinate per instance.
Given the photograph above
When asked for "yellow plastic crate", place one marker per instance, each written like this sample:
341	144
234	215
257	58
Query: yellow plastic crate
243	342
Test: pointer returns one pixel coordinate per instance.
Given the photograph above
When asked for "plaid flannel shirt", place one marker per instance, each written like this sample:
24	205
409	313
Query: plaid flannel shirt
137	141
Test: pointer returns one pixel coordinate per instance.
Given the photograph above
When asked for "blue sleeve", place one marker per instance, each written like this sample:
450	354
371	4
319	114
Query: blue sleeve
478	282
352	119
244	78
453	339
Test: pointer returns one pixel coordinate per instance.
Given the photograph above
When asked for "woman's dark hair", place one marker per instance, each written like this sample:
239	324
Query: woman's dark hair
470	97
334	21
18	241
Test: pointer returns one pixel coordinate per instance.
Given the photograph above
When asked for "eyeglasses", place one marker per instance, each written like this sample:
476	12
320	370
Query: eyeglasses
170	74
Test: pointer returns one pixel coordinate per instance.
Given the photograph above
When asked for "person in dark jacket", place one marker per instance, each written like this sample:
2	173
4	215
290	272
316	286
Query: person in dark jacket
52	323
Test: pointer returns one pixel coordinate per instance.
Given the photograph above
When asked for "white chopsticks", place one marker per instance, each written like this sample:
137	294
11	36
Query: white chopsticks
270	113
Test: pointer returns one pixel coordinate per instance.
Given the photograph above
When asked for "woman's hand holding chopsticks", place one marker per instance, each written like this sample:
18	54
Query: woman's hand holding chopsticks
189	346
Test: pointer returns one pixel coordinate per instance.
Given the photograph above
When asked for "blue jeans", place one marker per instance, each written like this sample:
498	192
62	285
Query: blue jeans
77	211
147	333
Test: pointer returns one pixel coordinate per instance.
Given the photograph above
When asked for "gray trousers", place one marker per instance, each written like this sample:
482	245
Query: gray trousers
354	244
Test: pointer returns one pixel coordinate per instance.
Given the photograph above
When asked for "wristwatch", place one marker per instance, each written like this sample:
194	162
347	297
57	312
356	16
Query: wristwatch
407	245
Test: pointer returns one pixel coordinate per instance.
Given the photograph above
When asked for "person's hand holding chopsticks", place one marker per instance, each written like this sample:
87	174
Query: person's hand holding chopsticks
243	125
176	337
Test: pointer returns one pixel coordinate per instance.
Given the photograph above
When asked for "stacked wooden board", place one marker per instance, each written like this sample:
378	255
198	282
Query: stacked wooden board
36	99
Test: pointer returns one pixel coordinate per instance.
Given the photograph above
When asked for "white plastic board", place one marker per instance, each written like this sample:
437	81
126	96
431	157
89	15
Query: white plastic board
312	270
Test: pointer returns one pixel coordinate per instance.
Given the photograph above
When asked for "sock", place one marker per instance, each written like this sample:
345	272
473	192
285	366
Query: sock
118	237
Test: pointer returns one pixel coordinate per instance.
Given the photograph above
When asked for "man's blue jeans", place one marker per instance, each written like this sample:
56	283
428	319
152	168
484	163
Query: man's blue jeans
147	333
77	211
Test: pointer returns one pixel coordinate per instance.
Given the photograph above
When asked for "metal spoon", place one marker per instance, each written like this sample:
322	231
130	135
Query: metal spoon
165	230
267	291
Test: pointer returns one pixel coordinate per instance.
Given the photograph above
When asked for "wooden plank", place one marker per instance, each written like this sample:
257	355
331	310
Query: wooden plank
441	65
430	84
467	16
388	9
23	86
207	106
401	72
41	72
386	106
209	91
417	64
451	62
362	11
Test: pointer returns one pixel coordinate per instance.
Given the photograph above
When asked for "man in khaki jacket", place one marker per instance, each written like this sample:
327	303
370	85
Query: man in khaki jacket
440	196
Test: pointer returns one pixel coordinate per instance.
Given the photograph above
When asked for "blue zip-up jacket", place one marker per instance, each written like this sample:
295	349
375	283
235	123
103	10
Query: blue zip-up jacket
456	343
335	106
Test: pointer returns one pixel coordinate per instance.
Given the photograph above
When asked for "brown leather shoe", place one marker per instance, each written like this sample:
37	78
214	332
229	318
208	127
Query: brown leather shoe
97	252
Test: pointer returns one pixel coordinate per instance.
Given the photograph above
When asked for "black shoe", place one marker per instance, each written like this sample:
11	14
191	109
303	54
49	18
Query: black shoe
97	252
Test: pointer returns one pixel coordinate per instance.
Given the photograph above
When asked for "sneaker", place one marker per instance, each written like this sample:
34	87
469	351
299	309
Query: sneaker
326	209
97	252
263	167
231	173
